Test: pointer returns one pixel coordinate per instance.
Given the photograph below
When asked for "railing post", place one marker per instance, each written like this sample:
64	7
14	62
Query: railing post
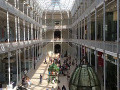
104	44
95	39
118	62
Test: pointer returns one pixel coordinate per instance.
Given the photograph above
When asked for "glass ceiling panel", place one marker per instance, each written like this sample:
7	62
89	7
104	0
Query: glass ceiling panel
62	5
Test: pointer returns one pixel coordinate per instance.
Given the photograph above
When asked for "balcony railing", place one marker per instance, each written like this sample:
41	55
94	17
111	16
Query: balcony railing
55	40
5	47
56	27
11	9
110	47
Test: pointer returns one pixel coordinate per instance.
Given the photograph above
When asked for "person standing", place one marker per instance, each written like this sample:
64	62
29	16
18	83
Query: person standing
40	78
58	88
63	88
52	88
47	88
45	61
25	72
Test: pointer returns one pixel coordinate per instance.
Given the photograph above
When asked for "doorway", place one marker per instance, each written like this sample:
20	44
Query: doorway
57	48
57	34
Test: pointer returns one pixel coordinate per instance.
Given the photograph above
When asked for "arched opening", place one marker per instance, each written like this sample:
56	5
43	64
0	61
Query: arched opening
57	48
57	34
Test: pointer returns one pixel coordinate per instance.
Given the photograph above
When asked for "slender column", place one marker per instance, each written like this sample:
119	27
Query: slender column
28	33
18	4
18	29
28	58
17	66
90	38
24	28
81	52
23	8
45	32
95	39
20	64
8	31
53	32
9	54
90	58
78	52
79	31
16	50
33	57
53	42
8	37
68	29
17	78
88	53
32	46
90	26
35	54
25	57
28	47
31	31
84	28
81	37
118	62
61	33
35	32
42	48
87	27
27	10
38	51
19	49
104	45
84	35
24	47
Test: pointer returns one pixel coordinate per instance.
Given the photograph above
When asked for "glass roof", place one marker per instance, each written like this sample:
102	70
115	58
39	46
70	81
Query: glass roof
56	5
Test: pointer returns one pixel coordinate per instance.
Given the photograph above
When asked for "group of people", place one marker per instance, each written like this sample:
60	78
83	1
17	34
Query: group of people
66	66
63	88
63	69
54	60
26	81
58	88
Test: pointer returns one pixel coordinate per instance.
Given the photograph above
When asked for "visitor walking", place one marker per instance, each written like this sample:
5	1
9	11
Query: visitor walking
40	78
45	61
25	72
58	88
63	88
52	88
47	88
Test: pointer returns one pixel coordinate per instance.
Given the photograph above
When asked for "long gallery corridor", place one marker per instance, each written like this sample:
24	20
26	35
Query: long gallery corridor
59	44
43	70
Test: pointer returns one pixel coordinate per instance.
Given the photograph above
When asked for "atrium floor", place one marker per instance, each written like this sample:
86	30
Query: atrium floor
43	70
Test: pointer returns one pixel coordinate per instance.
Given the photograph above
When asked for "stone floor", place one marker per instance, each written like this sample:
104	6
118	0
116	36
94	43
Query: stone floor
43	70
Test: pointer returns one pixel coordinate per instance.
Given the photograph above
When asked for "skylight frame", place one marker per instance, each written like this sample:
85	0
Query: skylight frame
64	5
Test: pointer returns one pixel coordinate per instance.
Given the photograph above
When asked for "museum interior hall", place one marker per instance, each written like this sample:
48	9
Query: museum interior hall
59	44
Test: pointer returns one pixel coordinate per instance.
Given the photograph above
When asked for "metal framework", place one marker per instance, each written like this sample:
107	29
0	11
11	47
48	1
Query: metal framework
31	18
64	5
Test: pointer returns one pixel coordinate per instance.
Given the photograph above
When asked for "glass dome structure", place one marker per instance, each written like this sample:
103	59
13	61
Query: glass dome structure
56	5
84	78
